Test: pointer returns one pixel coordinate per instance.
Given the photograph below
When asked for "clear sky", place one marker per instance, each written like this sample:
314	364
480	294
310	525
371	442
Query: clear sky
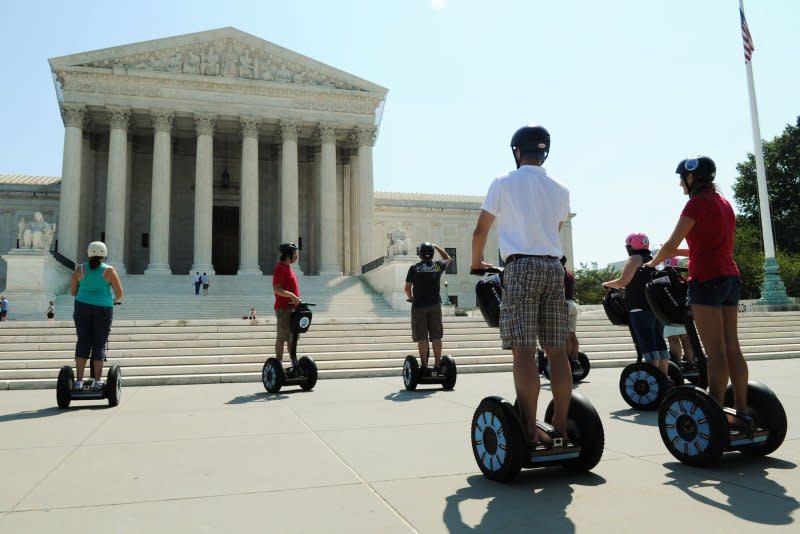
627	88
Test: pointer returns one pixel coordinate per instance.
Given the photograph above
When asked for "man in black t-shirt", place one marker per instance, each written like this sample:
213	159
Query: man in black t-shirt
422	291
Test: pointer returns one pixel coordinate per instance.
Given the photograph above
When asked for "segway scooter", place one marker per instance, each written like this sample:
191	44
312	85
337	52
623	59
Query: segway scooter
414	375
692	424
497	435
642	386
580	370
302	372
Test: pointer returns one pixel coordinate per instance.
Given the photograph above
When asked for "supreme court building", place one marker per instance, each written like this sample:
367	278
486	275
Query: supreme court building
203	152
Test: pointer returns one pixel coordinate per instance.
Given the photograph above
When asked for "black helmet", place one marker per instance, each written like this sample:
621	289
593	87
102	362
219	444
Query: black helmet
532	141
425	251
287	249
701	167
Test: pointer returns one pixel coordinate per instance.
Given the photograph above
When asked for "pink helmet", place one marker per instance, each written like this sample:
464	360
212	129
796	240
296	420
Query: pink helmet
638	241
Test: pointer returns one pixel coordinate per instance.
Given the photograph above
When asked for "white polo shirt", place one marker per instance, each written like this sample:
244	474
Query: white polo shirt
528	206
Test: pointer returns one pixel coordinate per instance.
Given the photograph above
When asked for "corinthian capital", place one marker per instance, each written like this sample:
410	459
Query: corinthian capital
204	123
250	126
118	117
74	115
289	130
162	120
327	132
366	136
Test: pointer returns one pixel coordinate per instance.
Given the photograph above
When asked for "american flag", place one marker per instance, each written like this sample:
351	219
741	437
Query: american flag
748	40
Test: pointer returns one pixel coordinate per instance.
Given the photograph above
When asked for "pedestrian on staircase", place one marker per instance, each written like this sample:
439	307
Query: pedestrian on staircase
51	311
287	295
3	308
198	280
204	280
422	291
91	285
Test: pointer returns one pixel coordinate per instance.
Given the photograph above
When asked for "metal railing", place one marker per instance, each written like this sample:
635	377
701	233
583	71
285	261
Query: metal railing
374	264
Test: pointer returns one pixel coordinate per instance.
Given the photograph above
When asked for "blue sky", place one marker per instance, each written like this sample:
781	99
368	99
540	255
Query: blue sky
627	88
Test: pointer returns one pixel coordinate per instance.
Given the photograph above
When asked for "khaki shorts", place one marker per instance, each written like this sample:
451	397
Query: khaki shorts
572	308
426	323
533	304
284	316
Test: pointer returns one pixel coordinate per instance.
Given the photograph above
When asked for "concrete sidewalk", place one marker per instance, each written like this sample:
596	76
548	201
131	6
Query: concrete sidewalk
363	455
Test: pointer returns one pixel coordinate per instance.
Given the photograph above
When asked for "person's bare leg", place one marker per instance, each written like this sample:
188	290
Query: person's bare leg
80	365
574	346
422	347
708	320
279	351
737	365
687	347
437	352
97	369
526	383
560	385
674	343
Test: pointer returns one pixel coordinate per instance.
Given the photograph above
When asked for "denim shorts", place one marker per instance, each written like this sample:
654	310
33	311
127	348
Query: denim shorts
722	291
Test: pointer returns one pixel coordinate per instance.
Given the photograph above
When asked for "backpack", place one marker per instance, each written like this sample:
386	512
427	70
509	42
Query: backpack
666	295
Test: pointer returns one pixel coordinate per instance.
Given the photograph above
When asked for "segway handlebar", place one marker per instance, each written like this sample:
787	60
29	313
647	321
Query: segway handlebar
487	270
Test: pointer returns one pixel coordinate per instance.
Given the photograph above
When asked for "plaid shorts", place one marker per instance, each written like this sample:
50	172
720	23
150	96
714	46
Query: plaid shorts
533	304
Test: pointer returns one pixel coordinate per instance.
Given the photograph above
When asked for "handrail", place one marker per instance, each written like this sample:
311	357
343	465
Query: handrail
374	264
63	260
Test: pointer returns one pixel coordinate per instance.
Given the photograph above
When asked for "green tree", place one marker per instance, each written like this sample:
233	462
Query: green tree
782	162
588	283
748	251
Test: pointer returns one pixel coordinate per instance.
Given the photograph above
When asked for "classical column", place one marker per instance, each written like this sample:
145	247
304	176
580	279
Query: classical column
160	193
355	214
248	210
74	117
290	217
203	192
116	199
329	242
366	140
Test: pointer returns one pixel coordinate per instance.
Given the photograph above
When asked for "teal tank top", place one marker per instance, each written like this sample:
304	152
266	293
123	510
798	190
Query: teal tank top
93	288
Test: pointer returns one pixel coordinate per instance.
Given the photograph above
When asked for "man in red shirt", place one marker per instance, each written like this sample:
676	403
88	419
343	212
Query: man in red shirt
287	295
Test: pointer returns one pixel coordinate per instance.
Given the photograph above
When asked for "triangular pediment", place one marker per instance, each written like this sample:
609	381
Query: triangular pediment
225	53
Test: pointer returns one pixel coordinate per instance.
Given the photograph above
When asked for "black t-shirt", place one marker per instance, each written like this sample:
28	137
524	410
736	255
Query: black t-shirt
425	277
634	291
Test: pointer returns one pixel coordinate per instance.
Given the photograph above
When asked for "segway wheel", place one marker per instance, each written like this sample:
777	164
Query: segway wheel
450	372
272	375
410	373
584	428
693	426
583	359
113	388
64	387
498	442
642	386
767	412
675	373
307	369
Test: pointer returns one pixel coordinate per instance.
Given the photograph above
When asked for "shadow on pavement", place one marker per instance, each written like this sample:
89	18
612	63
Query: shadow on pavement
638	417
745	484
49	412
263	396
536	500
404	395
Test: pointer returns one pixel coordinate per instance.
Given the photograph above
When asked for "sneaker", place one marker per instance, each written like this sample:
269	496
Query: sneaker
98	384
78	384
437	371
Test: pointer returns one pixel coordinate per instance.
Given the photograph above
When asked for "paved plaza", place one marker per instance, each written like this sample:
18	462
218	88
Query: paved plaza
363	455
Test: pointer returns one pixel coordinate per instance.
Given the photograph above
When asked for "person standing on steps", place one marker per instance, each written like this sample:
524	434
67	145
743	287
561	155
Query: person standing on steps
205	282
198	280
530	207
422	290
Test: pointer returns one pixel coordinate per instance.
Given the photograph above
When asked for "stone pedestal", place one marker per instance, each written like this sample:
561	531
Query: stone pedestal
34	279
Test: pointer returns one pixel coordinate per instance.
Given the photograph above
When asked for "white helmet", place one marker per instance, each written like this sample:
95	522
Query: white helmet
97	248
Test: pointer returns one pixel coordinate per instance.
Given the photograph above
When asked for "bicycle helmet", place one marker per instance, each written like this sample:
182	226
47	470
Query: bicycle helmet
287	249
425	251
637	241
702	168
532	141
97	249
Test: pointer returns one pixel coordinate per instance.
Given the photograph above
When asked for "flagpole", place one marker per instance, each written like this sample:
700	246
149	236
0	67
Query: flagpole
773	292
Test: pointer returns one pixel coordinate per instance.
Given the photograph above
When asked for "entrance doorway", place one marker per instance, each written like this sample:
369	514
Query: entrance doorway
225	239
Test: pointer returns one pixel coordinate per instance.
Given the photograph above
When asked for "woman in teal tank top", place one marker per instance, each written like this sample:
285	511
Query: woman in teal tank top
92	285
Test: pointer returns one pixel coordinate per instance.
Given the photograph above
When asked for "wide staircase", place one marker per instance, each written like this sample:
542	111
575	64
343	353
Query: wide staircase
355	344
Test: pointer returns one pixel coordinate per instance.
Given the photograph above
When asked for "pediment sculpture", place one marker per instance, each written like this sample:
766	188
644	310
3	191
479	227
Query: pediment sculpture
225	58
399	243
36	233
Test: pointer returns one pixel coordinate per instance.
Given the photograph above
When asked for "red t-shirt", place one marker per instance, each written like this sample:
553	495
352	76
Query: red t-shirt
284	276
711	238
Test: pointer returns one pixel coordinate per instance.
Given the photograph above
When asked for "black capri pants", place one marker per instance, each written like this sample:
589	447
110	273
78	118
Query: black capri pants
93	325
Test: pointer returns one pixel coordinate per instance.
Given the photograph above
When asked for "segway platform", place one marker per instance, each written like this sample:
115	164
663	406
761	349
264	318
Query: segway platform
413	375
66	392
302	372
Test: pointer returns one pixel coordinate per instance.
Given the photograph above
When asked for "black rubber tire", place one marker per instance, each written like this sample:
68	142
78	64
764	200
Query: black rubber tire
272	375
767	411
410	373
308	369
643	386
693	426
64	387
675	373
586	366
113	387
498	442
450	372
584	428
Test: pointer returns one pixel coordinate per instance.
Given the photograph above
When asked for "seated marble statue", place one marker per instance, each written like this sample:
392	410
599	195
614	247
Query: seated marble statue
399	243
37	234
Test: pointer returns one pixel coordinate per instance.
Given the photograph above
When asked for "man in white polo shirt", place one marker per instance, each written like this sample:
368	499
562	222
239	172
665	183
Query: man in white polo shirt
529	208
